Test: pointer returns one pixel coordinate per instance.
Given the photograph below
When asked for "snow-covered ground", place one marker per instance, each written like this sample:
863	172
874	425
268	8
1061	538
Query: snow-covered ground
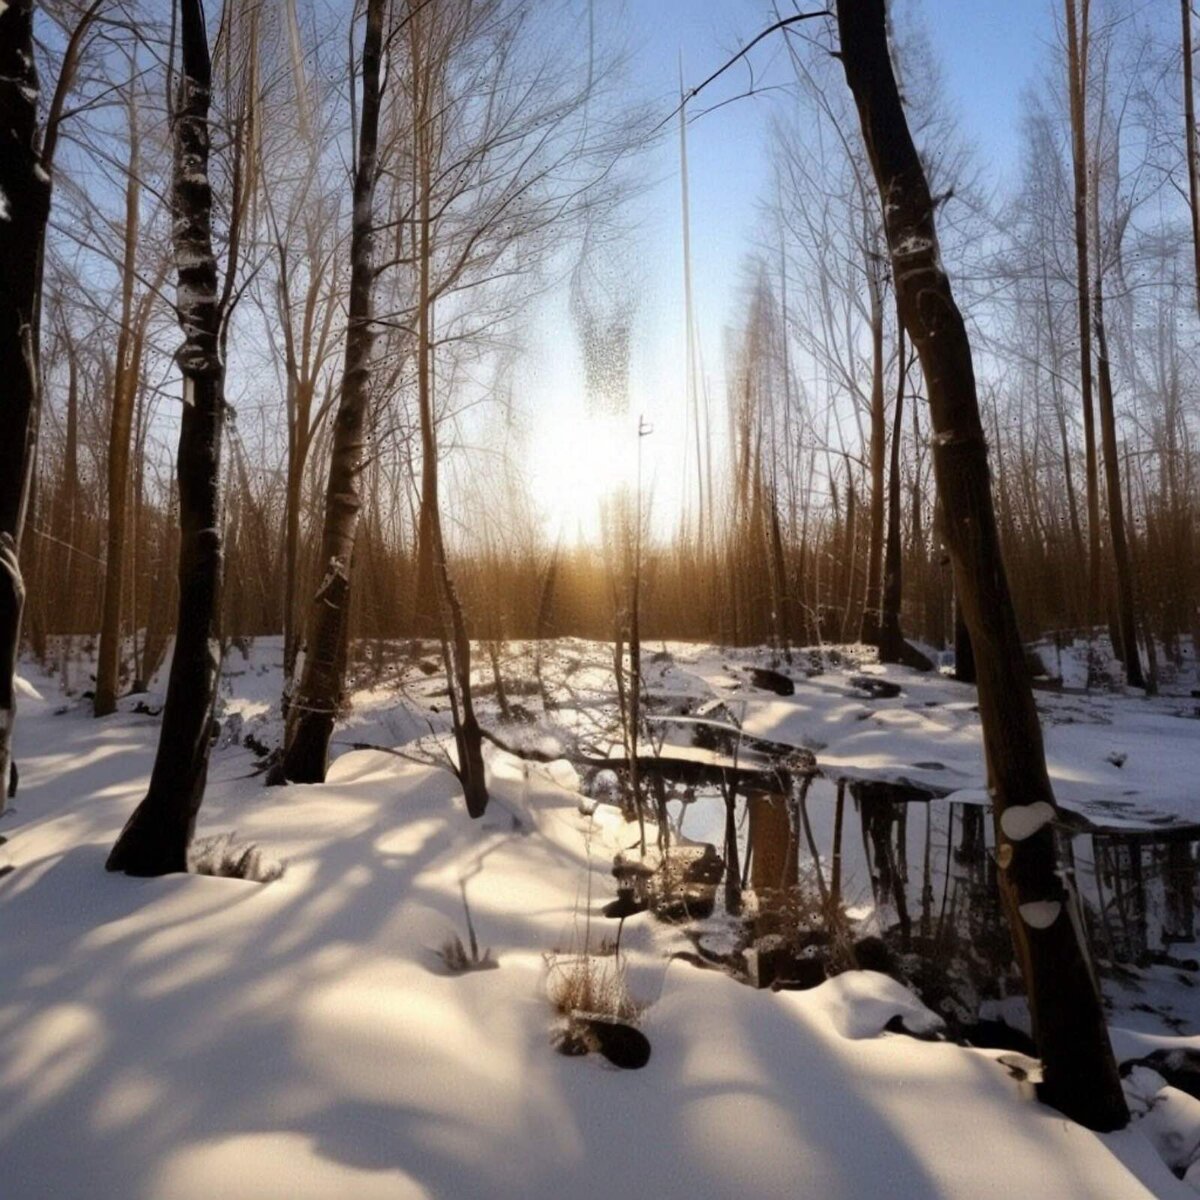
207	1037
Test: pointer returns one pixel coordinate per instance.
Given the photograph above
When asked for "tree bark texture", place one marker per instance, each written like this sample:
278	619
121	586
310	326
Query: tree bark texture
1189	115
892	645
1043	910
156	838
108	658
24	211
314	705
1077	51
869	631
1126	647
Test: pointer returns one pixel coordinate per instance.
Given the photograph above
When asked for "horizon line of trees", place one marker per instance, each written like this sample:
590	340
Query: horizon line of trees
355	231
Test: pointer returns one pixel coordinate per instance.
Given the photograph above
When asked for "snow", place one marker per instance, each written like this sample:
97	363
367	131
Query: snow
861	1003
1022	821
1170	1118
912	244
195	1037
1040	914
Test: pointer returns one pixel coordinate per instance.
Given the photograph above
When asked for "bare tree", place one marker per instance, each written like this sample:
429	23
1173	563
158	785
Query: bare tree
127	373
1189	133
1078	12
156	838
1080	1072
314	705
304	233
26	171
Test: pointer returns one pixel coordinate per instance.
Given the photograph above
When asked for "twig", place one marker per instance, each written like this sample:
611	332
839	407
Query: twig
770	29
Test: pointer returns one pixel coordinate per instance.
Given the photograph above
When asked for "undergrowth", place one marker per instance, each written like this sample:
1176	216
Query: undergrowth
223	856
588	983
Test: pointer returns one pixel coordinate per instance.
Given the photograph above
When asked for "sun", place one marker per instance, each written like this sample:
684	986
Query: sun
577	461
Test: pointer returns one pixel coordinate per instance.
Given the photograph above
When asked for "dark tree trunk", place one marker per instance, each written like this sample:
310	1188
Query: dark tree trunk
26	190
891	639
27	208
314	705
781	601
964	652
893	647
468	737
437	603
849	545
426	615
125	374
869	631
12	600
1189	116
1043	910
291	555
68	493
1077	52
426	621
155	840
1125	642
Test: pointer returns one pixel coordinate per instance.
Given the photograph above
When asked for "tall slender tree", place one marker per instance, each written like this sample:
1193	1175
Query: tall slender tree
1078	12
1043	909
126	372
156	837
26	172
1189	134
313	707
25	192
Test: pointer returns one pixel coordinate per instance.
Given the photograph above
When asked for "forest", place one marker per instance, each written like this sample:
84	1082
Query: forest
599	595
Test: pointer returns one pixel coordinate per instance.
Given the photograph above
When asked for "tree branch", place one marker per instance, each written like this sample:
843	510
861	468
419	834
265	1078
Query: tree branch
770	29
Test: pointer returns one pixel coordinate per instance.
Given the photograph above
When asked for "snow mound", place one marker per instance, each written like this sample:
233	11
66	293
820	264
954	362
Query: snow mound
282	1164
861	1004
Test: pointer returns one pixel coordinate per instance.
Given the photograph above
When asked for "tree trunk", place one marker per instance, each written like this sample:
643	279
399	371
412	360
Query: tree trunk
849	548
425	601
108	660
468	737
1043	910
312	709
1189	111
68	495
964	651
1077	50
1127	646
891	638
291	547
869	631
26	190
155	840
781	602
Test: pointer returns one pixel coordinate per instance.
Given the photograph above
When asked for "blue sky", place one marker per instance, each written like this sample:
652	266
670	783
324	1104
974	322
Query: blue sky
989	51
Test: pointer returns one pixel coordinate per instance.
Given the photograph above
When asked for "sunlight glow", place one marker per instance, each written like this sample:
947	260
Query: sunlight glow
582	460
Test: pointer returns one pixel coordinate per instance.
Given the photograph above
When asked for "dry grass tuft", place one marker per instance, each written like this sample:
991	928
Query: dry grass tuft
222	855
586	983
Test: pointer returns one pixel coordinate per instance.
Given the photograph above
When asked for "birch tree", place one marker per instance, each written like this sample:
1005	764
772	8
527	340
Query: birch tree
313	707
156	838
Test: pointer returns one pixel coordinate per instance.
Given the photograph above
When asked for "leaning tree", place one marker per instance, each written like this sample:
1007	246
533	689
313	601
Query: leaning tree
1042	905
